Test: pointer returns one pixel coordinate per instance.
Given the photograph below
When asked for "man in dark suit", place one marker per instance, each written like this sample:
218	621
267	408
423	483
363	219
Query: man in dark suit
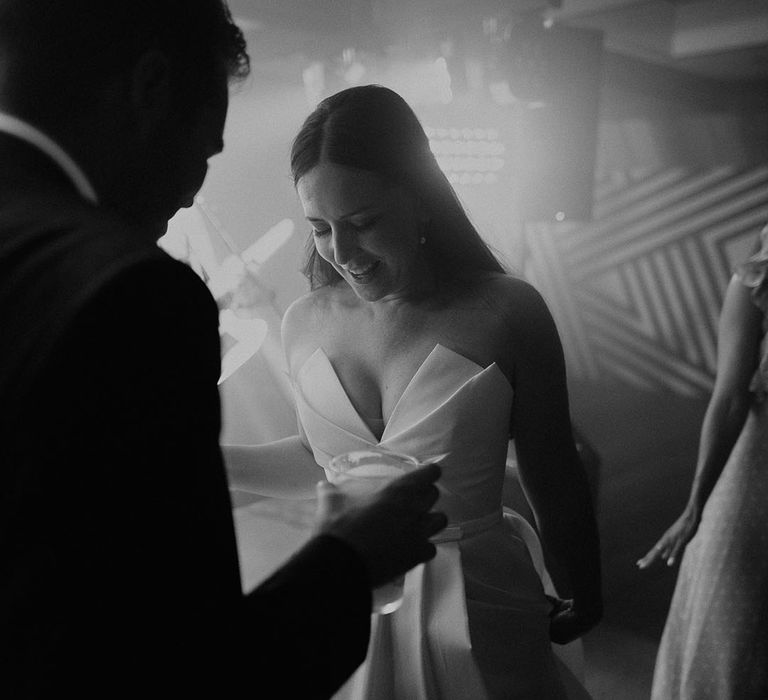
118	565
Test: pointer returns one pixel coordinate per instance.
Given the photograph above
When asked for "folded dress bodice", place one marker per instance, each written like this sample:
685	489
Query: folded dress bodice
473	623
451	407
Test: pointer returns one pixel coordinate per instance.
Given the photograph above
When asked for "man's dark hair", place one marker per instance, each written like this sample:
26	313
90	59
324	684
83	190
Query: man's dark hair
56	52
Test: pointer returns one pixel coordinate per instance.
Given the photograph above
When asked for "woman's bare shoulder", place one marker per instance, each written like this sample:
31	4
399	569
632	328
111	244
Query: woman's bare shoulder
512	296
311	312
300	314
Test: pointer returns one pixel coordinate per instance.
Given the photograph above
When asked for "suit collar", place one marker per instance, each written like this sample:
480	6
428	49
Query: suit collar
24	131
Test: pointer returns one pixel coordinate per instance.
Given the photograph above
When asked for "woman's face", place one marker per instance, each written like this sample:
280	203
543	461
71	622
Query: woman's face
368	230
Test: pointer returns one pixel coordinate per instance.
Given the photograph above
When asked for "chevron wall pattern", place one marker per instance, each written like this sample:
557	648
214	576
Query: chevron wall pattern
637	292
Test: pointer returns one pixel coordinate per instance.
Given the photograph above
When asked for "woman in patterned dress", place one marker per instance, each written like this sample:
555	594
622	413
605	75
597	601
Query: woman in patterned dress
715	641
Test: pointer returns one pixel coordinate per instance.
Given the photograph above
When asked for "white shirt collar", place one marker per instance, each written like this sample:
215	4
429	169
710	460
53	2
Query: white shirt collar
33	136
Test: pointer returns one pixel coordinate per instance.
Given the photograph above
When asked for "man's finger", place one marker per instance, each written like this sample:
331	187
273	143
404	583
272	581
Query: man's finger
329	500
423	475
434	523
426	552
416	490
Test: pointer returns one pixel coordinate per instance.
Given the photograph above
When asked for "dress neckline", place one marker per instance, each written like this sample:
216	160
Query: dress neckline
438	350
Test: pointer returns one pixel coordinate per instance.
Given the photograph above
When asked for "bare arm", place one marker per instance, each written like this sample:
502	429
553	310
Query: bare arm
551	472
284	468
738	340
280	469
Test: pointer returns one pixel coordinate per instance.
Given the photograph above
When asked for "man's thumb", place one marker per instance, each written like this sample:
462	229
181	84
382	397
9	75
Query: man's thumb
329	502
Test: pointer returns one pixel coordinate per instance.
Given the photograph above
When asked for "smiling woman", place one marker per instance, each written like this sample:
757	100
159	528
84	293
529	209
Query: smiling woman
414	340
369	232
372	131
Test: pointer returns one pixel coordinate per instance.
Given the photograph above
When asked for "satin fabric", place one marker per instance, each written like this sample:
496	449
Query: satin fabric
474	620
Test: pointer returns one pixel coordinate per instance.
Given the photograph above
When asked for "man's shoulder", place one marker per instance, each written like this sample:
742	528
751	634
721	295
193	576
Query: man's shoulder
41	228
68	267
69	245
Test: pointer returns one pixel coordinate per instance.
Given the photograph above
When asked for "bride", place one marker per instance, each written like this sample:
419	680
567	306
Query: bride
414	339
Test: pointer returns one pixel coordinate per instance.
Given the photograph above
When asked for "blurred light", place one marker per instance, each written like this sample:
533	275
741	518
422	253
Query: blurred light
467	155
490	26
354	74
249	334
560	216
475	74
313	77
269	243
501	93
353	70
443	80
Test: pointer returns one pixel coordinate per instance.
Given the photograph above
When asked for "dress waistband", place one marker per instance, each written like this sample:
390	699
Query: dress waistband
468	528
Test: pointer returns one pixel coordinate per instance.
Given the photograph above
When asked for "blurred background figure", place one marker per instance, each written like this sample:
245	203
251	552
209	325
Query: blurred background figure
715	643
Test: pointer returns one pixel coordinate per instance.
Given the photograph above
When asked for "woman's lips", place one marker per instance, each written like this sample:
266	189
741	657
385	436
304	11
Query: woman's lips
362	274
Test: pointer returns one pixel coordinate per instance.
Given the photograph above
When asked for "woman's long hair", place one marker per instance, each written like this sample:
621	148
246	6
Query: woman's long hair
372	128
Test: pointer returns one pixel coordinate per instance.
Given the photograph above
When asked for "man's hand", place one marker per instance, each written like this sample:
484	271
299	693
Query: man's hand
390	529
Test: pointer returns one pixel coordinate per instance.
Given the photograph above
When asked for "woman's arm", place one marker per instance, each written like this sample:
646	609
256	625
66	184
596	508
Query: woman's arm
280	469
738	341
550	470
284	468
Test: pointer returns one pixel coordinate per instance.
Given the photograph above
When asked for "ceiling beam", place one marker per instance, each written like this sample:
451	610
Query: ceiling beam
706	27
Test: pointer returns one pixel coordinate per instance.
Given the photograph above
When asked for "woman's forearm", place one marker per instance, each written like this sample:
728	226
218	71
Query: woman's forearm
569	533
738	345
562	504
720	429
281	469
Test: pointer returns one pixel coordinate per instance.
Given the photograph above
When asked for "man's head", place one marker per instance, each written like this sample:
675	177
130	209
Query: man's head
135	90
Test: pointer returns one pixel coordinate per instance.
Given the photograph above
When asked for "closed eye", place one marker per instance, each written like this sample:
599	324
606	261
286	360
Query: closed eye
366	223
320	232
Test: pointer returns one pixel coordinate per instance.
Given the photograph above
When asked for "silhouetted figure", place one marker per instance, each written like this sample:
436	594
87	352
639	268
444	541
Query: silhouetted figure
118	566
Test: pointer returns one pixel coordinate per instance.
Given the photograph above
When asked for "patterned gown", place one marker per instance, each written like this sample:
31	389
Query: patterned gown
715	642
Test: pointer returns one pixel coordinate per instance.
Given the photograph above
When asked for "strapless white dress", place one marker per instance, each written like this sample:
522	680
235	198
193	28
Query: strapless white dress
474	620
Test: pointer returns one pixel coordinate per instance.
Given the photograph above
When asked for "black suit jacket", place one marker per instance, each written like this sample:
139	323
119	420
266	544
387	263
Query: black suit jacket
118	566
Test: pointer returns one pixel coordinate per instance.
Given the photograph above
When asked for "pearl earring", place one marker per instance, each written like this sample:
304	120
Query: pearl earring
423	240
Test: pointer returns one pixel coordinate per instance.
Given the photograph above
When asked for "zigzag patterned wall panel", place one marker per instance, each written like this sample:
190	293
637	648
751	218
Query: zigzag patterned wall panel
637	292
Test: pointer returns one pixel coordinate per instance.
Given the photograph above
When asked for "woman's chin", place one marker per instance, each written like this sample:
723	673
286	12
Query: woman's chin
367	292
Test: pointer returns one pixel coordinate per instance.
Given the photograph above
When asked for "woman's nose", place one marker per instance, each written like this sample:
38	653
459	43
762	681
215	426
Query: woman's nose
343	246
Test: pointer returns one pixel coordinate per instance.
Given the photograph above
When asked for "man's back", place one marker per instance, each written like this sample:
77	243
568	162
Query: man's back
119	573
108	441
118	562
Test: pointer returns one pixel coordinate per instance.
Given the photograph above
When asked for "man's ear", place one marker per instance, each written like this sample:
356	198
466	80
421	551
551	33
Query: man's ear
151	84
